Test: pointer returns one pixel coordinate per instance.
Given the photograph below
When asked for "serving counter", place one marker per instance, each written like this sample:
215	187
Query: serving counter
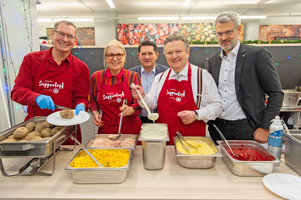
172	182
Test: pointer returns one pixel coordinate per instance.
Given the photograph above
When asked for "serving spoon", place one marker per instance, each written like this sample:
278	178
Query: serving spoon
117	136
150	115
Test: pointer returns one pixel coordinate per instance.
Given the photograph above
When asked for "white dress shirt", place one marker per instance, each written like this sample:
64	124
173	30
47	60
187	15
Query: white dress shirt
147	81
226	86
211	105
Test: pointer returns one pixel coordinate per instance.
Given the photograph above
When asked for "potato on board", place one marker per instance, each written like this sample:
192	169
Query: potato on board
39	127
46	132
30	126
20	133
67	114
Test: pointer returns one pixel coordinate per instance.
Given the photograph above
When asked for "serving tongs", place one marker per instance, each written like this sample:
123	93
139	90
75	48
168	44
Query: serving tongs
181	139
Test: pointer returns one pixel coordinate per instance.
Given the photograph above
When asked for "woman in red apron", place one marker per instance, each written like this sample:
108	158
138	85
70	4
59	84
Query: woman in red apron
108	90
169	106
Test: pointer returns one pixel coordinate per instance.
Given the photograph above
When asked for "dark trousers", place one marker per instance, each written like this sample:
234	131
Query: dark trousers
145	120
232	130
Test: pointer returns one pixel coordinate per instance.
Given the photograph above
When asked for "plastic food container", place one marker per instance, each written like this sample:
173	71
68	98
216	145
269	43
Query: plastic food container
122	137
292	151
197	161
153	137
99	175
291	98
248	168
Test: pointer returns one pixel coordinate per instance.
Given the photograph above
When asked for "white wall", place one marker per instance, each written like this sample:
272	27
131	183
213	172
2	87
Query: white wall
15	41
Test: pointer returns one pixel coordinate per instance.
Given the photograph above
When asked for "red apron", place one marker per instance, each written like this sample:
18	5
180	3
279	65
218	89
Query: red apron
56	84
174	97
110	98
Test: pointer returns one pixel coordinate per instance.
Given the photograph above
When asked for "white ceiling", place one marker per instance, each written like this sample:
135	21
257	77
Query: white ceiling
125	8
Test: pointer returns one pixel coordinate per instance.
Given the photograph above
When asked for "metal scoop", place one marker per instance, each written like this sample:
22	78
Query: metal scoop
188	144
150	115
117	136
224	139
82	146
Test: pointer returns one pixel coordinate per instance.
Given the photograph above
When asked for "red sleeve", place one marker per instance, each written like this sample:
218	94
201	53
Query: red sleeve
95	79
22	91
82	86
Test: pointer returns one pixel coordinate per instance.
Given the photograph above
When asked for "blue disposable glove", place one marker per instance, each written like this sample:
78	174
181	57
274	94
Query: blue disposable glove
45	102
78	108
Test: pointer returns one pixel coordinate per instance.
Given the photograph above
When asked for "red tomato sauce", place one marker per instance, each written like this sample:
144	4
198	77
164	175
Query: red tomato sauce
249	155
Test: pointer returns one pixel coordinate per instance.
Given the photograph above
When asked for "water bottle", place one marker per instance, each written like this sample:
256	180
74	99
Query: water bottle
275	137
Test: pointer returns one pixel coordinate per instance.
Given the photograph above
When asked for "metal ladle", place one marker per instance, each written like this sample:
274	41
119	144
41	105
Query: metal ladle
150	115
224	139
117	136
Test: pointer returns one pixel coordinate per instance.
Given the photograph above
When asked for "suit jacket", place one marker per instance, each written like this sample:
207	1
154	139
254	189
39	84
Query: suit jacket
255	76
158	69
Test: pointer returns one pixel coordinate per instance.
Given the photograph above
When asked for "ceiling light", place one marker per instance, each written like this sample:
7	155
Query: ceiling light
253	17
261	2
186	3
44	20
75	20
201	17
110	3
157	18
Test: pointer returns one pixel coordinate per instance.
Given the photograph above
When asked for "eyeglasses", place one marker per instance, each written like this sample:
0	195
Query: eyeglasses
227	33
118	56
62	35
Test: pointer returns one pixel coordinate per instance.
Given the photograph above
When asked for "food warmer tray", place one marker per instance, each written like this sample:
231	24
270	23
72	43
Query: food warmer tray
42	151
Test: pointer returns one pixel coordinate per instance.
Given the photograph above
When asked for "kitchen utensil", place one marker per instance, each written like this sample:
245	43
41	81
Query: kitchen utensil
224	139
150	115
82	146
189	145
180	139
117	136
61	107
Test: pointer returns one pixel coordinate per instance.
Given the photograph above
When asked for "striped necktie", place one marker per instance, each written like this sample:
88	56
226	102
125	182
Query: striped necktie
177	76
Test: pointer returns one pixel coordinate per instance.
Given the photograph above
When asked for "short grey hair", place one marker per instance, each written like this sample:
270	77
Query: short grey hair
228	17
68	23
116	44
174	37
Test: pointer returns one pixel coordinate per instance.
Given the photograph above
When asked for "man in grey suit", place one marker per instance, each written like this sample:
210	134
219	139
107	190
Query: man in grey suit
148	54
243	74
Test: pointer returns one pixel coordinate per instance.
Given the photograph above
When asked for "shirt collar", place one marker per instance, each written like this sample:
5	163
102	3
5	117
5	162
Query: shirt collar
50	57
234	50
143	71
184	71
118	76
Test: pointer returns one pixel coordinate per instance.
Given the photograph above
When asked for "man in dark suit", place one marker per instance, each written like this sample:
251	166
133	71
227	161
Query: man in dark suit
243	74
148	54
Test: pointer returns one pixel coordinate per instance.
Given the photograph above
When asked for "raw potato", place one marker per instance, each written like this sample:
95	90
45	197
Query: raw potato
36	133
55	130
68	114
37	138
48	125
30	126
10	137
39	127
9	140
20	133
24	140
46	132
30	136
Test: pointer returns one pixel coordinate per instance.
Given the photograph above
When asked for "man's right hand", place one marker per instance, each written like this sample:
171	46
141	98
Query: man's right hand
45	102
140	90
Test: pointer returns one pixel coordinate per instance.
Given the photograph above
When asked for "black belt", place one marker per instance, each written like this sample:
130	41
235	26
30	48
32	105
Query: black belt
231	122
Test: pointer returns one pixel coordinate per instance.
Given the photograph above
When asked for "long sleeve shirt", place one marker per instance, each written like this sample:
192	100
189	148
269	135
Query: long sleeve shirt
23	91
96	80
211	104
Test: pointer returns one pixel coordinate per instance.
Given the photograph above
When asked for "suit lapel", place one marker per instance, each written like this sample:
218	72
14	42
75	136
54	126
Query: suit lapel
139	70
216	65
239	64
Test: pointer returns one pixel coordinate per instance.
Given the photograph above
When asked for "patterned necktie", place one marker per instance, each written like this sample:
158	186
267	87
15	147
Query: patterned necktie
177	76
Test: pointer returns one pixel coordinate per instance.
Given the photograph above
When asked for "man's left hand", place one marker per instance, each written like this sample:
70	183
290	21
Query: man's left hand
78	108
261	135
187	116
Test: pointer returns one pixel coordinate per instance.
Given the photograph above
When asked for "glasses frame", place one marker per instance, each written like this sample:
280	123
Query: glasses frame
62	35
115	55
227	33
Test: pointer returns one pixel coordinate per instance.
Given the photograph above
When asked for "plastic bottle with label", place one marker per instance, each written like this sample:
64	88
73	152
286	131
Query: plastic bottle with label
275	137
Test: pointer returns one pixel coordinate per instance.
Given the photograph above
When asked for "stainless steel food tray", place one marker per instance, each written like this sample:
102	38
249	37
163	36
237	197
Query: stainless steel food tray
42	148
122	137
197	161
166	138
292	151
98	175
248	168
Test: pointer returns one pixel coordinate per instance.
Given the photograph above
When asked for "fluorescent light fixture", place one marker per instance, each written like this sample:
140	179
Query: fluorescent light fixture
186	3
253	17
110	3
75	20
201	17
261	2
157	18
44	20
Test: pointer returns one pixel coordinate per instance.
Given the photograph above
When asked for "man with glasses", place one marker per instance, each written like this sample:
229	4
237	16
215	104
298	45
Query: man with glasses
243	74
148	54
185	95
53	77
